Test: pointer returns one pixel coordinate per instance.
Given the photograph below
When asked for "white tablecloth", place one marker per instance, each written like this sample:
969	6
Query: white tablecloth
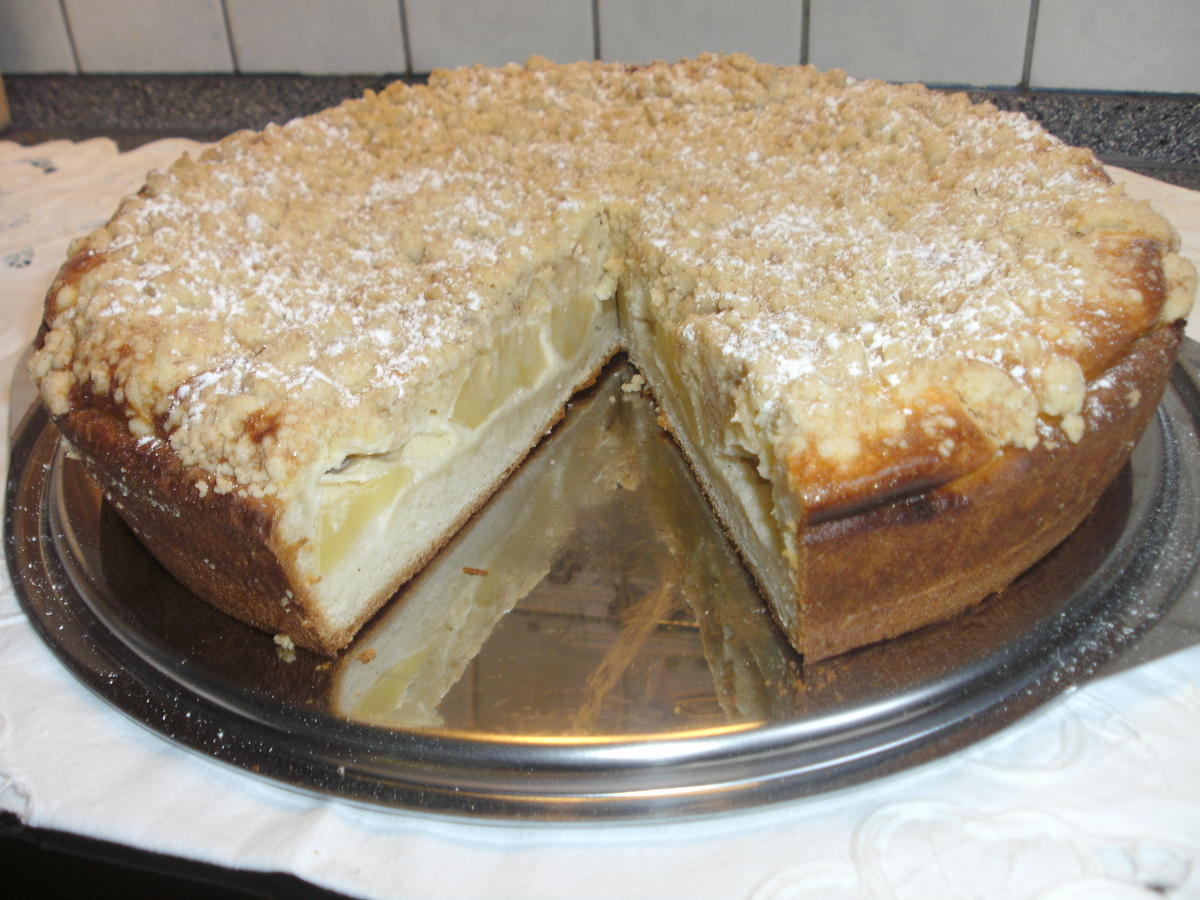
1095	795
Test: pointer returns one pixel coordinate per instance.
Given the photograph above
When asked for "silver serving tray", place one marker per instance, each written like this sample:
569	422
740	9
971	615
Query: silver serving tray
614	662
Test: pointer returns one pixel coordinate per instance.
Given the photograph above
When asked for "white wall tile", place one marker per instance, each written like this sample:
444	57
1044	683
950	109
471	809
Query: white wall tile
640	31
33	37
1147	45
444	34
150	35
977	42
347	36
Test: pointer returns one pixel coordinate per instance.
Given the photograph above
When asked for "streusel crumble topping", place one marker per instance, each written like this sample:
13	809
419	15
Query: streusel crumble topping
876	270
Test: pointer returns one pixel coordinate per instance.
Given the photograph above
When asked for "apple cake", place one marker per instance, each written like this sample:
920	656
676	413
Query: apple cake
904	341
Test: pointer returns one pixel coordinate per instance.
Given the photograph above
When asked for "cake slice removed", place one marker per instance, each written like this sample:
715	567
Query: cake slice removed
370	521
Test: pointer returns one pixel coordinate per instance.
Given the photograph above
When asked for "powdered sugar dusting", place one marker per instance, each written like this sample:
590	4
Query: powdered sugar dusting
810	239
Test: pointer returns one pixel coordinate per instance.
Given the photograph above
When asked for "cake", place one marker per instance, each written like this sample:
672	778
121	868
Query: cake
904	341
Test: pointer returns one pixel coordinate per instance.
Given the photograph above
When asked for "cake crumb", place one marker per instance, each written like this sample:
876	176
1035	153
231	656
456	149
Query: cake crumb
285	648
367	655
1073	427
634	385
471	570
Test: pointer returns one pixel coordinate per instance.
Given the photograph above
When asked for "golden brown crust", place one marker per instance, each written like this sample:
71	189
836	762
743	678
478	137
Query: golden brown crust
916	459
927	557
906	463
219	545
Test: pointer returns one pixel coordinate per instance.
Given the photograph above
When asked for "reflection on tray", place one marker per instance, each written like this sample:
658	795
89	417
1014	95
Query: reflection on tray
593	595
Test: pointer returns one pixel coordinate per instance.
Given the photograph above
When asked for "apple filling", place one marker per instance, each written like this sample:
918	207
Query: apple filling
350	505
379	513
521	357
528	361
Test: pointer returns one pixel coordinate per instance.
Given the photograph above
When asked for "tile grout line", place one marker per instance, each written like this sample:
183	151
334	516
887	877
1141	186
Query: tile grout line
405	40
1030	33
805	18
233	54
596	55
62	8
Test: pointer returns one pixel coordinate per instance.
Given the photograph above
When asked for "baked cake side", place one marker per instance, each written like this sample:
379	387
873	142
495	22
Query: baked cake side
297	363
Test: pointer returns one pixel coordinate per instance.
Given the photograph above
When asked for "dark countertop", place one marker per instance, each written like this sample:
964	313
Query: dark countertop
1155	134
